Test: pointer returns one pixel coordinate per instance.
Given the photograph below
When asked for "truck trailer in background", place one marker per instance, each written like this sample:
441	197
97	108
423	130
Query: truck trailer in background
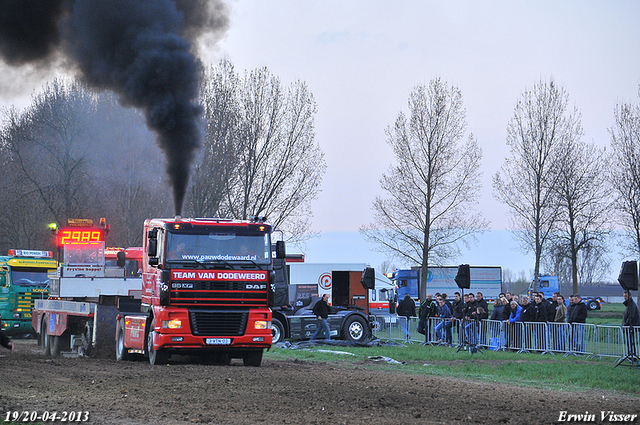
356	309
485	279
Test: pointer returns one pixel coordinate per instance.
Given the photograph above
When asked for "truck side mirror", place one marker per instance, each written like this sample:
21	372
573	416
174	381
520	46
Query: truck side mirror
281	251
152	248
368	279
3	278
121	259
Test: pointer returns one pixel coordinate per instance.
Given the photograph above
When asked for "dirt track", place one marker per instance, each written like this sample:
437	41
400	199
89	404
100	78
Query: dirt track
287	392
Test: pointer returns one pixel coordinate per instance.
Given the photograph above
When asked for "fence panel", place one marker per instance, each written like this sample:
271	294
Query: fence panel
559	337
567	338
610	341
495	335
582	339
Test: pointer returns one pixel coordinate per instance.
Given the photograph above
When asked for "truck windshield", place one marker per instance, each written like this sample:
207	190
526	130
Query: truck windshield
24	276
237	245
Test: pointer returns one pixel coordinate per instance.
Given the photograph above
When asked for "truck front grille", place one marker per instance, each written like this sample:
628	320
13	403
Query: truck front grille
218	322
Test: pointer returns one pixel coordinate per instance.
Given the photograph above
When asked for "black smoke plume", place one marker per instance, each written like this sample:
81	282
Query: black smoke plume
143	50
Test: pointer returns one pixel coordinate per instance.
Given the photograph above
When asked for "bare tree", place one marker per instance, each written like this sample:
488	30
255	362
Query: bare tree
47	145
526	181
260	150
220	97
583	195
72	154
432	191
625	176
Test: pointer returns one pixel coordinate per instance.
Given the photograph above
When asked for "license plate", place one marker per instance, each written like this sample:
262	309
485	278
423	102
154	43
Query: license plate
218	341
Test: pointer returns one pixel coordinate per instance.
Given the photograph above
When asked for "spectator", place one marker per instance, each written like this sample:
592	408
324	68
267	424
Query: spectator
458	312
481	302
507	306
470	308
443	328
541	319
528	313
458	306
630	318
577	316
407	309
552	307
428	309
558	329
476	325
497	329
514	330
445	297
498	309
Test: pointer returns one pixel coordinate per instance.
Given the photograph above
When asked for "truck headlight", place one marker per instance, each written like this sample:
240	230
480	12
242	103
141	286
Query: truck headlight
172	324
16	315
262	324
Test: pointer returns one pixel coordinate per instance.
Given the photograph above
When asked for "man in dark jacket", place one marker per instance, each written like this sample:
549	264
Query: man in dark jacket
528	312
541	318
406	309
321	310
630	318
552	307
577	316
481	302
428	309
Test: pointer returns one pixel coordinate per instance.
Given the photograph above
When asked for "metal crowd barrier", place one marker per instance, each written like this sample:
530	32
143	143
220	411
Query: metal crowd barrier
561	338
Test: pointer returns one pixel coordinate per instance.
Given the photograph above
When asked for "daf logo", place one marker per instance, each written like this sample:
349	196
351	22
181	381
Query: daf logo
250	286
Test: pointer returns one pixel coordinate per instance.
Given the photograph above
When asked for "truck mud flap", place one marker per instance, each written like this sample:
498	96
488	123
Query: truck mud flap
104	331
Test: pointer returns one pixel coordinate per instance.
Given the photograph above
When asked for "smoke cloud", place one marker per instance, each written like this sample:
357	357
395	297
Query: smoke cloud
143	50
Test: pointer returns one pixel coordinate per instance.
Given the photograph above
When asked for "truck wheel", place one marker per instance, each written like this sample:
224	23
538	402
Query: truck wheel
59	343
252	358
121	352
593	305
277	331
156	357
355	329
45	341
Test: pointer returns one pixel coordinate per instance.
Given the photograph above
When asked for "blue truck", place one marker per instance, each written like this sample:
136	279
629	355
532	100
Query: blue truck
548	284
485	279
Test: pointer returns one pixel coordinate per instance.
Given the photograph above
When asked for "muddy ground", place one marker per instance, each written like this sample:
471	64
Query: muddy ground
278	392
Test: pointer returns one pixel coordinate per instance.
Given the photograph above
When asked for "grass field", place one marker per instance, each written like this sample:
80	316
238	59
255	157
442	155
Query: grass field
535	370
552	371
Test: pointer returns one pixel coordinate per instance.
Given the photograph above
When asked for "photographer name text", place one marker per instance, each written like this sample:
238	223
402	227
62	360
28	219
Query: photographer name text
603	416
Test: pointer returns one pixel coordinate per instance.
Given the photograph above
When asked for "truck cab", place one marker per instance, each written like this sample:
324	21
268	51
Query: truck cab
24	278
206	289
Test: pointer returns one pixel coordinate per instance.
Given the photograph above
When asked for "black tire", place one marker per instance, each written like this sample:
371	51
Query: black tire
252	358
59	343
593	305
44	339
277	331
355	329
156	357
121	351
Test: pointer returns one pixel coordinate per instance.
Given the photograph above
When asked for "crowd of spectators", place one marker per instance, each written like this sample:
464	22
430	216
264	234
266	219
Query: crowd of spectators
510	309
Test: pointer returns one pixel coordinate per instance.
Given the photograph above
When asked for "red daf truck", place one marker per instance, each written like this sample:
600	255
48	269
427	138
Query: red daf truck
205	290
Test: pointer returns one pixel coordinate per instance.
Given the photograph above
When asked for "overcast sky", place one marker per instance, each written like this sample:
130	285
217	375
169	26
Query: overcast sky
361	59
